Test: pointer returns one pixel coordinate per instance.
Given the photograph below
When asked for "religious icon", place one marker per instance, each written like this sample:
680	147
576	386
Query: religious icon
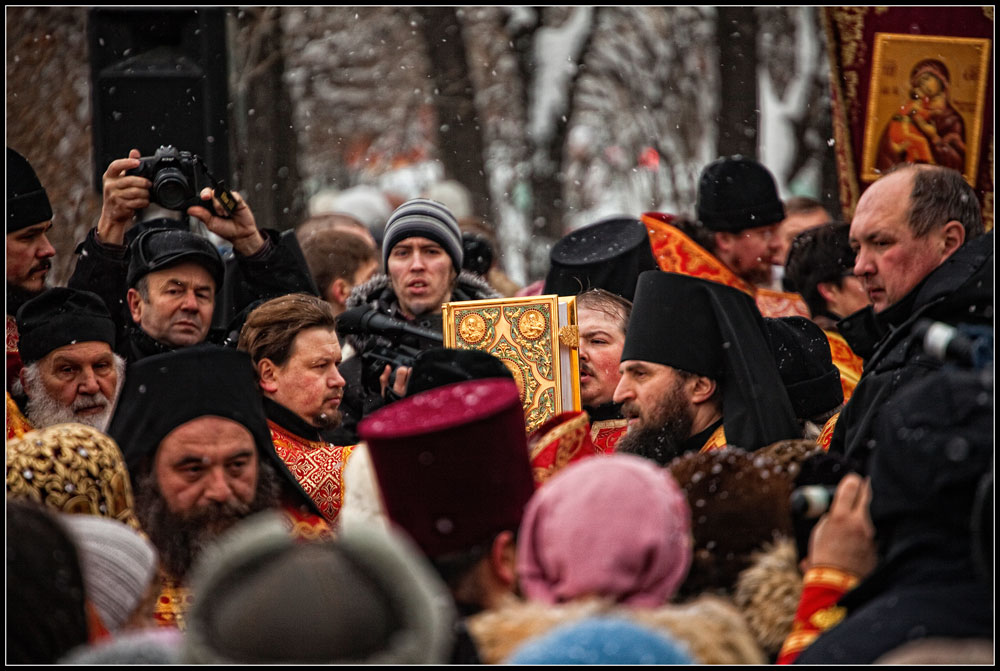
925	103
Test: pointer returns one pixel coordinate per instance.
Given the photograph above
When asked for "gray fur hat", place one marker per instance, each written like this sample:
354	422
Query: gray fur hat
367	597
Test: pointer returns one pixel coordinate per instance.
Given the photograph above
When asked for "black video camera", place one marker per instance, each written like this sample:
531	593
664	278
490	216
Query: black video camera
389	348
178	178
374	361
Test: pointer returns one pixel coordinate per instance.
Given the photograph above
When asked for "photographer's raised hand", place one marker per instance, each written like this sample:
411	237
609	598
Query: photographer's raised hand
123	195
240	230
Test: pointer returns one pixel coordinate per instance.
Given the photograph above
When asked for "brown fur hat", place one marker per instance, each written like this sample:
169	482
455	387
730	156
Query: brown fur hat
739	502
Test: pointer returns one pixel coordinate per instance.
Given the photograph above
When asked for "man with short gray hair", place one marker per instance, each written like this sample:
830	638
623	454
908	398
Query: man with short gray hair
921	255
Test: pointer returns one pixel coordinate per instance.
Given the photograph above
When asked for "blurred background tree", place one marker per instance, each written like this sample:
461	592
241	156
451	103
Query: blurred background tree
550	117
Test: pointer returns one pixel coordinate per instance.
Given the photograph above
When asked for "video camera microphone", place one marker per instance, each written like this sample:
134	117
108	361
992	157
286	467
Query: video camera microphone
365	320
950	344
812	501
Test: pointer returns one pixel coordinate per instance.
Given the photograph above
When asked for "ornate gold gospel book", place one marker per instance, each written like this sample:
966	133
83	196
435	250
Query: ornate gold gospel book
535	337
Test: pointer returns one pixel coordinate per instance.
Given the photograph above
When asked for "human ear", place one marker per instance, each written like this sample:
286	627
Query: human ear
266	375
134	300
702	389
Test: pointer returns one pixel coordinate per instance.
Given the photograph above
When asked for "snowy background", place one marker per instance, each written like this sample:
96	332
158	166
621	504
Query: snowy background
550	118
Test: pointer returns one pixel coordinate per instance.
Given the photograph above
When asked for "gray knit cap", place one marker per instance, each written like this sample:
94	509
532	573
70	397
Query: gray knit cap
118	565
424	218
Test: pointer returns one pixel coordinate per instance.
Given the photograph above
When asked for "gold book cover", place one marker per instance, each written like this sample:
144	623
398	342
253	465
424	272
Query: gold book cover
535	337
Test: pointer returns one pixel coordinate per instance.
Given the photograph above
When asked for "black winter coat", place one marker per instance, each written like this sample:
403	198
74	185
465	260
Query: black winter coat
958	292
930	592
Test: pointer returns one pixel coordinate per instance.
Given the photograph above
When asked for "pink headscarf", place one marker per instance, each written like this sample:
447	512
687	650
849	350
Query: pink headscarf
617	527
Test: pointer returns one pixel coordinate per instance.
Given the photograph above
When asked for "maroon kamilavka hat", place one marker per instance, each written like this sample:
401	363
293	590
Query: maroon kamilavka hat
452	463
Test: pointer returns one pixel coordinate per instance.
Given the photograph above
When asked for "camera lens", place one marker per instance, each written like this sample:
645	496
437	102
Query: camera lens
171	189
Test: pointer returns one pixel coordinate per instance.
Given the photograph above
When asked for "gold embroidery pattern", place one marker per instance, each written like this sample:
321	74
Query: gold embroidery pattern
824	576
716	441
850	25
605	434
73	468
571	431
17	423
565	441
318	467
172	604
827	617
12	335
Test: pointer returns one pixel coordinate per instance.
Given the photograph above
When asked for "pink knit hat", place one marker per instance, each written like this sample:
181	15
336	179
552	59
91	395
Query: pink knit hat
615	526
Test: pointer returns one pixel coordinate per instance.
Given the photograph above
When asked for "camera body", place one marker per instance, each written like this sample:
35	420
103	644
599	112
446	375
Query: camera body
177	176
374	361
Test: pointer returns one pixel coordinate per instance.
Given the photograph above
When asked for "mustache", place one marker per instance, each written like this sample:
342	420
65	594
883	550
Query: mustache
87	400
44	264
630	409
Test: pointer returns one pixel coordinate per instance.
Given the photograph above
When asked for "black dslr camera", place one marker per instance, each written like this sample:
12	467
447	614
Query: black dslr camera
178	178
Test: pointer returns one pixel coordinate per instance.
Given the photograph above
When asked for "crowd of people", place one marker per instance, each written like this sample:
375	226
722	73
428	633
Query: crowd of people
230	444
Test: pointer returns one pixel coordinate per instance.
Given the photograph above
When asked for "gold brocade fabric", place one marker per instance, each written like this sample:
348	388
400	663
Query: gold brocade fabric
172	604
847	362
13	354
561	440
318	466
675	252
716	441
606	433
826	435
72	468
17	423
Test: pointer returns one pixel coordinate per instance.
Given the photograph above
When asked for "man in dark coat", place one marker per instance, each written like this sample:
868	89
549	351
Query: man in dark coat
930	479
422	259
112	264
921	255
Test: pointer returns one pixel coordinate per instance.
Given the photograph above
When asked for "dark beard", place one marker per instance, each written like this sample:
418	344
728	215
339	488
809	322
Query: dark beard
663	441
758	276
661	444
180	538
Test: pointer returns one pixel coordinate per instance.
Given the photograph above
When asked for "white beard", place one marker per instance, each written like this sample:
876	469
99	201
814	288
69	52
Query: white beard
43	411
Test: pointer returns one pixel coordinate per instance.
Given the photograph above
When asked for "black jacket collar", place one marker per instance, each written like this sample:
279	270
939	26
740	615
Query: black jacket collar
290	421
603	412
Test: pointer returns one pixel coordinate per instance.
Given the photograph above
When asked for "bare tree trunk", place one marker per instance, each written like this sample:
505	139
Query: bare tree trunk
736	34
460	147
265	149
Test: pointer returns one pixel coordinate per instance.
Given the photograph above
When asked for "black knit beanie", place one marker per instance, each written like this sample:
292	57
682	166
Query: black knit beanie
737	193
27	202
61	316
